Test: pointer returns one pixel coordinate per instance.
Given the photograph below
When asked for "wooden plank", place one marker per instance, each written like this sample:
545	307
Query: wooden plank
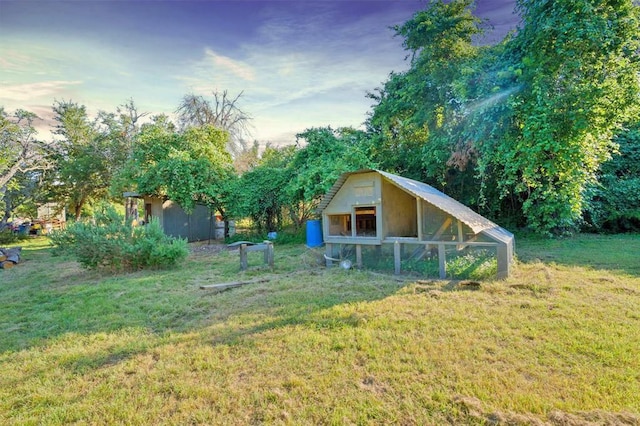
353	240
232	284
447	243
359	255
240	243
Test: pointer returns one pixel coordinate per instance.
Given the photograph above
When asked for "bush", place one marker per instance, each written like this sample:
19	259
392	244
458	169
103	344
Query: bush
614	202
113	244
7	236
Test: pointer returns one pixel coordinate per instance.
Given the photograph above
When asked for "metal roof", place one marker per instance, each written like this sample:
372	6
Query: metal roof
478	223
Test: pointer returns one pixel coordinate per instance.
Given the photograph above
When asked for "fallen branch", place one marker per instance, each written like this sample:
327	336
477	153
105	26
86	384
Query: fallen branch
232	284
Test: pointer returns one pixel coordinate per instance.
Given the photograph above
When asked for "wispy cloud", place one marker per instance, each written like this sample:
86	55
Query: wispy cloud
14	61
29	91
237	68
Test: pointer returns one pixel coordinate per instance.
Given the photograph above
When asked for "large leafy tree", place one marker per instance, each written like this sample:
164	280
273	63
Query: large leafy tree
260	193
415	112
580	68
189	167
323	155
614	201
520	127
22	159
88	153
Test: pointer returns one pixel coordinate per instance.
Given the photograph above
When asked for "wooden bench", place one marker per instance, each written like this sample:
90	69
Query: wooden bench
247	246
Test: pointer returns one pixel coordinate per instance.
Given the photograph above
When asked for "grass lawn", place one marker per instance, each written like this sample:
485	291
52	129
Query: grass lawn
556	343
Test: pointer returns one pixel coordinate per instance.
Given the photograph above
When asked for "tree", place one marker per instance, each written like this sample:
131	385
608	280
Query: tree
520	128
189	167
614	201
580	67
89	153
325	155
20	155
222	112
81	172
417	111
260	193
20	151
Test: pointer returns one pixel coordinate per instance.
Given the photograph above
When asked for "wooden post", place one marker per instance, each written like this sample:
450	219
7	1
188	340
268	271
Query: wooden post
460	235
442	261
396	257
268	254
419	214
243	257
359	255
502	252
329	253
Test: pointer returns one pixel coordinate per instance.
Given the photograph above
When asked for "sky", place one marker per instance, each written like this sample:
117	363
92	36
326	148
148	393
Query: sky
299	64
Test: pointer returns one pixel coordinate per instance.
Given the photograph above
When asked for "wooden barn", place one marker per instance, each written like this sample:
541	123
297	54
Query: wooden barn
374	208
199	225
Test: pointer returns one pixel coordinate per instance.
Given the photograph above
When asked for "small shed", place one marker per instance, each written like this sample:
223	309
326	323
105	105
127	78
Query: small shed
199	225
376	208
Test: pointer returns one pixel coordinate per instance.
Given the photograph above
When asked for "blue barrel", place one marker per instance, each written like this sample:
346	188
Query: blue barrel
314	233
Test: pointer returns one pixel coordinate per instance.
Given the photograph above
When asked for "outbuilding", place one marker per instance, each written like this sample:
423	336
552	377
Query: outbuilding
375	208
198	225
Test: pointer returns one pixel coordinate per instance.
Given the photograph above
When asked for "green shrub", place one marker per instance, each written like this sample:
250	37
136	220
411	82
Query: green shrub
7	236
113	244
614	201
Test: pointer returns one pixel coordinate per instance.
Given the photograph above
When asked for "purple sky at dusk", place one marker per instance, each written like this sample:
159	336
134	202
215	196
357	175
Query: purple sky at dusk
300	63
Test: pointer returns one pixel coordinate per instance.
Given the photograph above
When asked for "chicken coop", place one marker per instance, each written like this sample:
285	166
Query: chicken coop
407	222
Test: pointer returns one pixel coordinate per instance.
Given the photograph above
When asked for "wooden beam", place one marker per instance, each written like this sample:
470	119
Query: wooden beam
442	228
396	257
359	256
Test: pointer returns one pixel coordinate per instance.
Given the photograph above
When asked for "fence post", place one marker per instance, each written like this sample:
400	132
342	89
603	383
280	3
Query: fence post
442	261
396	257
243	257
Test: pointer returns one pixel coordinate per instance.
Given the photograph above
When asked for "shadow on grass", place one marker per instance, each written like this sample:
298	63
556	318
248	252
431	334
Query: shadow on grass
51	298
619	252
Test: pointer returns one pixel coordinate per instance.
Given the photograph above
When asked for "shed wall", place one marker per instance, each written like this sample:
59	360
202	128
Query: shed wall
360	189
399	212
196	226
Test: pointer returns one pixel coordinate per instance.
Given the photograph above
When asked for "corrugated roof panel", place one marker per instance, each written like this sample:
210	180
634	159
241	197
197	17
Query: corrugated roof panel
498	233
441	200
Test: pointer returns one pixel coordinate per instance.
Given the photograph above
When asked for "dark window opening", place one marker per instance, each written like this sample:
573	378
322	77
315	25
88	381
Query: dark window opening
365	221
